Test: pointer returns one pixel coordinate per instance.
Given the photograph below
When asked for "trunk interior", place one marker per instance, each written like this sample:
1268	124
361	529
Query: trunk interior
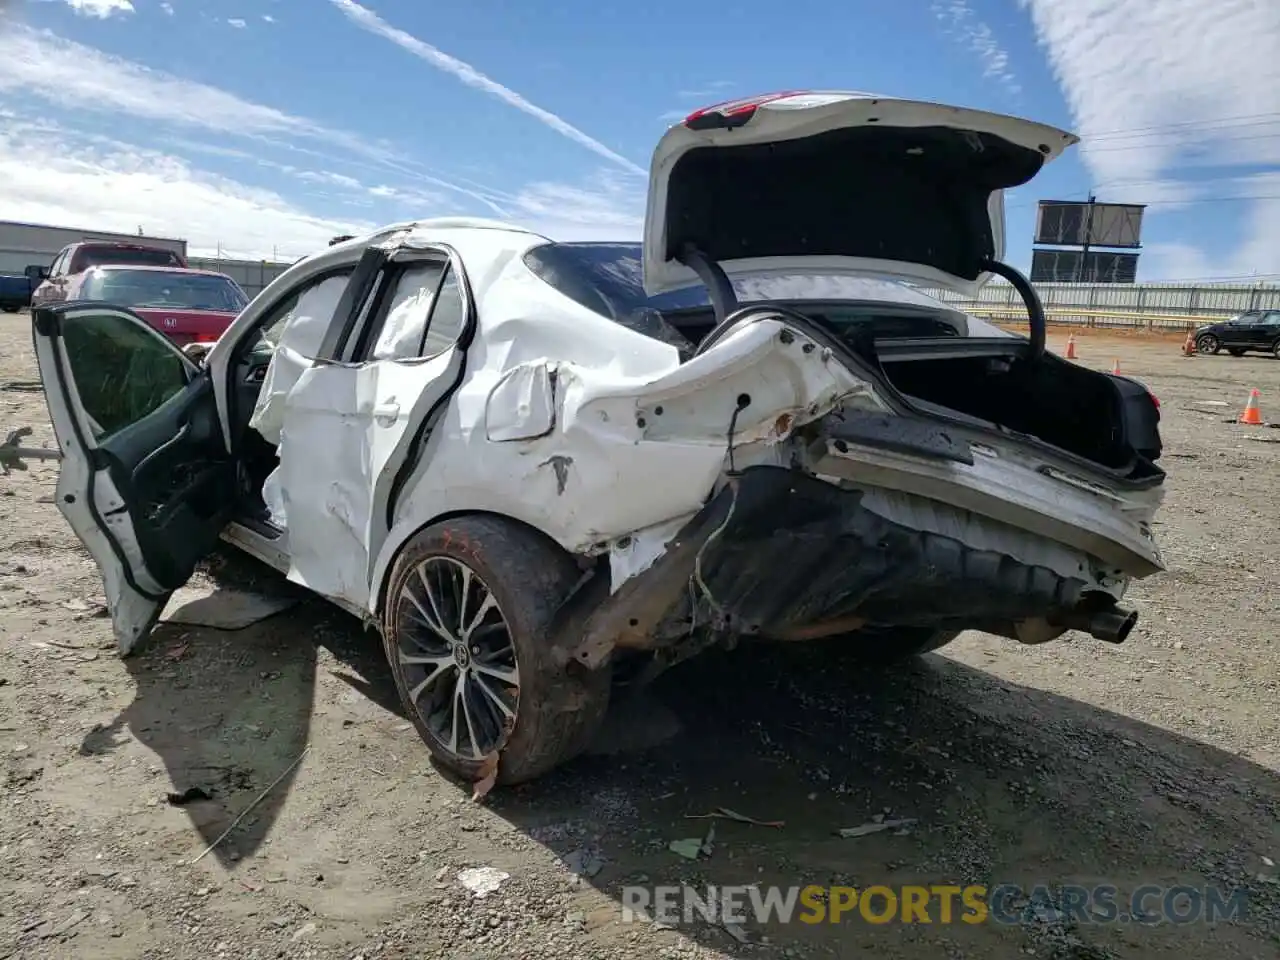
1089	414
1110	421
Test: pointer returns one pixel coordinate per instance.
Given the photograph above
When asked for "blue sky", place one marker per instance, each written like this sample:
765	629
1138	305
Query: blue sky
261	127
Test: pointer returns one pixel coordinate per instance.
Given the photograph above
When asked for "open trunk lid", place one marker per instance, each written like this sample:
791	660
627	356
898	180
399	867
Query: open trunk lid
836	182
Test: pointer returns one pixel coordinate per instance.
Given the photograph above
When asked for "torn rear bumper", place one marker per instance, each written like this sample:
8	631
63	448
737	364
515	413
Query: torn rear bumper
778	553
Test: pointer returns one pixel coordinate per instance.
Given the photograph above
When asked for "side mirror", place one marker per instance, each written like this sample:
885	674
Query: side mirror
196	352
36	272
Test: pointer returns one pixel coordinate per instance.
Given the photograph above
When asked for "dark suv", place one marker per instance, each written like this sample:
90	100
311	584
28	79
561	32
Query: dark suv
1257	330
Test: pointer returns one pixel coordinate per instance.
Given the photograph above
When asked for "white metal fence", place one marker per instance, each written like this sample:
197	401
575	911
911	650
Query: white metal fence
1160	305
252	275
1155	305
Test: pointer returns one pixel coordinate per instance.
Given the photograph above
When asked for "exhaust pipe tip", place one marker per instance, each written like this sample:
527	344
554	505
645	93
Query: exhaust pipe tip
1114	625
1111	624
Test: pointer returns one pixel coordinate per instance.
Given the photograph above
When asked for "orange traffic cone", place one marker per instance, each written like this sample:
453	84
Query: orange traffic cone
1071	346
1252	415
1189	345
1115	367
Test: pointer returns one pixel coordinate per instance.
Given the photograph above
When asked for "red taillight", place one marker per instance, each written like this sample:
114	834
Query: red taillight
1154	399
731	113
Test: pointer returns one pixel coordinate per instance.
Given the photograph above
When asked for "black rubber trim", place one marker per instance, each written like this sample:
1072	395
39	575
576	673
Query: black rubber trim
1035	309
902	434
465	338
342	323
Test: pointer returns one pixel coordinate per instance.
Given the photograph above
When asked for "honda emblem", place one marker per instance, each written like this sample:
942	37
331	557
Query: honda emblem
171	322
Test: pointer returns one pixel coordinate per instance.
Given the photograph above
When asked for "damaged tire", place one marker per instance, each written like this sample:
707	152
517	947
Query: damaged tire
466	628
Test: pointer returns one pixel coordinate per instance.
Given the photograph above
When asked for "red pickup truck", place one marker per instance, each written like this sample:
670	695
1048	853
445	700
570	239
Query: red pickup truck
74	259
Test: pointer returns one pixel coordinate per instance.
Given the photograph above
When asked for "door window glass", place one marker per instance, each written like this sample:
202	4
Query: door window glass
407	310
122	370
302	318
448	317
292	335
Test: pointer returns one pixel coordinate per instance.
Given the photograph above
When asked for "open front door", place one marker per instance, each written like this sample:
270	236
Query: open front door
146	481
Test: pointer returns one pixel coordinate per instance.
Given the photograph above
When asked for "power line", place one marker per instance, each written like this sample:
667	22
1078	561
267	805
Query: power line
1273	116
1149	145
1176	203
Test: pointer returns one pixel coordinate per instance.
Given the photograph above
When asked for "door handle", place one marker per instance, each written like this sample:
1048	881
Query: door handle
159	452
386	413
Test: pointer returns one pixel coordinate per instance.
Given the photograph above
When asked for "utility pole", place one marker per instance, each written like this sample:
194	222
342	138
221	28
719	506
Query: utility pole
1088	232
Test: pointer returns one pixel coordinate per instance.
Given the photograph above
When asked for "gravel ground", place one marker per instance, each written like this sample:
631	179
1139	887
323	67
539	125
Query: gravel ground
1155	762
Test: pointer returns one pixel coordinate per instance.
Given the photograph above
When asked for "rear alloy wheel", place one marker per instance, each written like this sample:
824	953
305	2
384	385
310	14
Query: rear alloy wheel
466	631
1207	343
1275	349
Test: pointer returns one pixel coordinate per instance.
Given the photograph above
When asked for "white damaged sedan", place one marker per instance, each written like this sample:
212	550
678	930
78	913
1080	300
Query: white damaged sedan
532	465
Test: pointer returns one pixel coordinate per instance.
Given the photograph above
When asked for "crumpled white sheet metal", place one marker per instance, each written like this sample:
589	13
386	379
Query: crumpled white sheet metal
626	454
592	433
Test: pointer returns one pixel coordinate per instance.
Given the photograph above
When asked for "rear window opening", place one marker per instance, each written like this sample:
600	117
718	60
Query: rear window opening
607	278
89	256
140	289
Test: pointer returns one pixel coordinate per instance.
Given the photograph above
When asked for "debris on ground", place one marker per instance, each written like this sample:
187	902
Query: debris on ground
12	454
583	863
690	847
724	813
488	777
189	795
875	825
249	809
482	881
222	607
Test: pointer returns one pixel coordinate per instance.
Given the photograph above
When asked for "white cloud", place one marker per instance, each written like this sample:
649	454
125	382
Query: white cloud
55	168
961	23
269	18
237	23
1161	86
370	21
112	185
117	186
100	8
606	207
715	88
167	8
72	75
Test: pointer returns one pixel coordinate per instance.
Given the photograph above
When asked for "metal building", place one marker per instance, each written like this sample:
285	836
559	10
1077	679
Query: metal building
23	244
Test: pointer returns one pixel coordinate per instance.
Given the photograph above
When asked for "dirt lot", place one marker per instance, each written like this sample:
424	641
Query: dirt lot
1155	762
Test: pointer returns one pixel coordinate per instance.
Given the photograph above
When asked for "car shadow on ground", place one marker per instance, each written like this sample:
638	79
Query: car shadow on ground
230	713
1002	783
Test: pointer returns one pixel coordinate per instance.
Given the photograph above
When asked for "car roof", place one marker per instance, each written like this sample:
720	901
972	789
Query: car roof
155	268
121	245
